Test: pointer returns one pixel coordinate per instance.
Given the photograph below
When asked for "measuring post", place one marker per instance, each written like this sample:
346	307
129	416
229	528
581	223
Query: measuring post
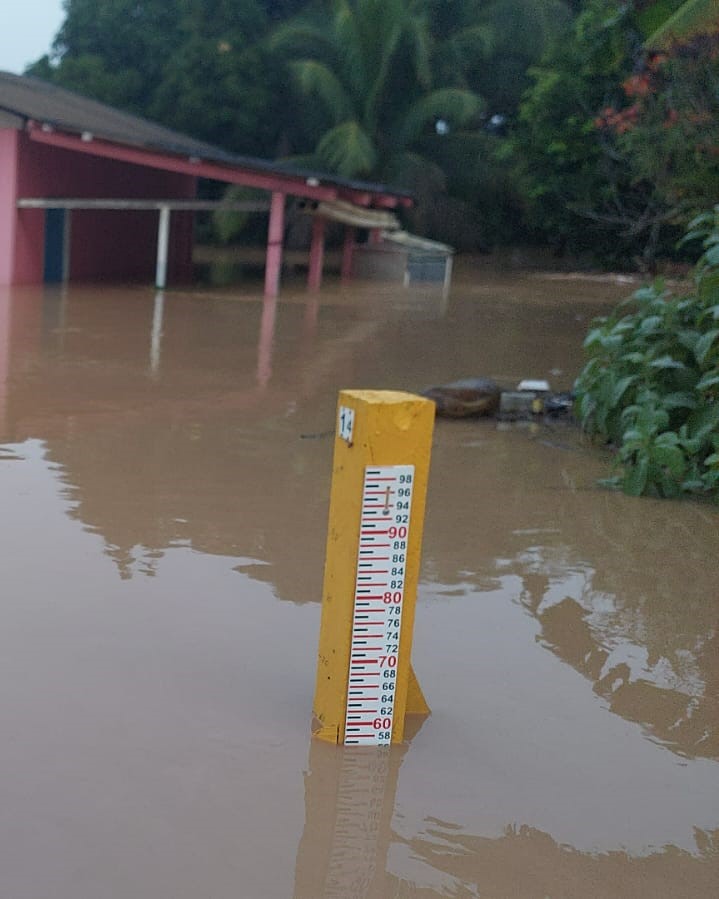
365	681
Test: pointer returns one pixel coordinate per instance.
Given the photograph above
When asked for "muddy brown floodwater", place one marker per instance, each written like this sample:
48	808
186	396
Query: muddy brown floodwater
164	479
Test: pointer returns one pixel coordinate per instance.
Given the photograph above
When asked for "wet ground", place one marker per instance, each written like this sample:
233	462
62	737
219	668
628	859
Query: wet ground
164	478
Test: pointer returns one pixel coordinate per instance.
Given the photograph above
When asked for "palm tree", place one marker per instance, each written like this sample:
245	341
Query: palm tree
370	68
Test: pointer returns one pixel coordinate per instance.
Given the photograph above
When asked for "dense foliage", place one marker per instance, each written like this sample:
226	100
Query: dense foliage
370	69
199	66
651	385
617	147
591	125
400	90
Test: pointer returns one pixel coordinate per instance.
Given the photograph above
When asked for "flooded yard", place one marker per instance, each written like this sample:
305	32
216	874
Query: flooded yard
164	482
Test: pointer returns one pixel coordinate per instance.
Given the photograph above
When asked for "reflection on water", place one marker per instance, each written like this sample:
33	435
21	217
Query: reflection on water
158	313
349	801
623	591
350	849
525	863
164	468
645	667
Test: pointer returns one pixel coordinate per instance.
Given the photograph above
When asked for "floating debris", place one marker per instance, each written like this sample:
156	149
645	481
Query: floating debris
468	398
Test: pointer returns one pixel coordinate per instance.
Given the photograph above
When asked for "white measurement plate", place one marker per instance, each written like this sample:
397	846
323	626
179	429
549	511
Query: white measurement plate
379	598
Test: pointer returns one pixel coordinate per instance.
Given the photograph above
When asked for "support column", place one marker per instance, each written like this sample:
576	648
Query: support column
163	240
317	253
347	253
275	235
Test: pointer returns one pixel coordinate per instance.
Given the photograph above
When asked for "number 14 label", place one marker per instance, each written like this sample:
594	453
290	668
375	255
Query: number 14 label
346	423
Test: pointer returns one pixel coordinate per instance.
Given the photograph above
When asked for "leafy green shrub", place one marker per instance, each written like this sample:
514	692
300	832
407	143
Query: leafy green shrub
651	384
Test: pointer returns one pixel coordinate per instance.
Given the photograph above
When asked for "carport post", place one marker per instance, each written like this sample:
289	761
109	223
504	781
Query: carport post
163	239
275	234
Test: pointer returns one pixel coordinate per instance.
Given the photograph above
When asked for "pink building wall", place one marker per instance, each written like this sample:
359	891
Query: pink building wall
105	244
8	183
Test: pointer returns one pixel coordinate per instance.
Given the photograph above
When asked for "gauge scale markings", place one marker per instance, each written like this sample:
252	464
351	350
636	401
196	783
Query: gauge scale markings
377	619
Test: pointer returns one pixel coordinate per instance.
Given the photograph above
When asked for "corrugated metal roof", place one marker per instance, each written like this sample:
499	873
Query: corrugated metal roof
30	98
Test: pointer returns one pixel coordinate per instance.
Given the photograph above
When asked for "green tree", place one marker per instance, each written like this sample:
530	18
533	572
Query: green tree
667	125
113	50
487	46
195	65
579	187
368	65
220	82
616	145
390	90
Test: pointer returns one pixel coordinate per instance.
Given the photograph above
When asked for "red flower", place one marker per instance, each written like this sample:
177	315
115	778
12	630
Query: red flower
638	85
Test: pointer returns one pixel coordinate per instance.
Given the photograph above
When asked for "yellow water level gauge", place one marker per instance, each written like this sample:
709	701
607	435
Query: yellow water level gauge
365	682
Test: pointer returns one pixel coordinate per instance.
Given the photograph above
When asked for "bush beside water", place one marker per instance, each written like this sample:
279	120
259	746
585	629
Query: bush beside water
651	384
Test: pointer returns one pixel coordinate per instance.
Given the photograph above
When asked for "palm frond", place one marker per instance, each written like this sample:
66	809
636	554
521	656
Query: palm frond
348	150
348	37
419	38
303	39
316	78
376	19
379	82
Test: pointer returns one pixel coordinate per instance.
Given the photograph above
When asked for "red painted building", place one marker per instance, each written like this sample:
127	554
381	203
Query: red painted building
103	244
90	193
